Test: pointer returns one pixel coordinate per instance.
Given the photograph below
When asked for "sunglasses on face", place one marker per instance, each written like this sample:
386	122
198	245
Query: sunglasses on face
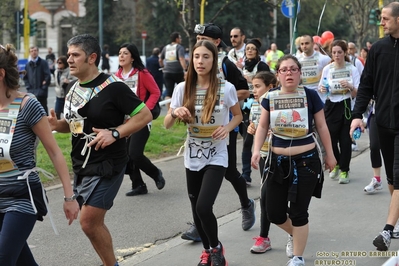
234	36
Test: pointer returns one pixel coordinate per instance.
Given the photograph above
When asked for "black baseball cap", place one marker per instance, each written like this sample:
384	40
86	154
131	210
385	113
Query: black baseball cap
210	30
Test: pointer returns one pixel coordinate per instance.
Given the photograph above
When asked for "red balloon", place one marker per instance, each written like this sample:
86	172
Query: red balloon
317	39
327	36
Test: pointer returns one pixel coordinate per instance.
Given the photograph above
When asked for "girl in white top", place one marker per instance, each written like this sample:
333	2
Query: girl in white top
203	103
343	79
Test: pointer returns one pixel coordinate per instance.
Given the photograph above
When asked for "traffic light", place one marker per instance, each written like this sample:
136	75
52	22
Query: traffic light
19	22
33	26
378	16
372	17
375	17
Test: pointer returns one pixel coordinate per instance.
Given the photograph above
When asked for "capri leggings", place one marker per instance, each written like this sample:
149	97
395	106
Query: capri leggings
264	220
203	187
292	179
375	155
15	228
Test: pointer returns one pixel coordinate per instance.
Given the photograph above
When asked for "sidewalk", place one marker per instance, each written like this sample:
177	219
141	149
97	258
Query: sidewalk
342	225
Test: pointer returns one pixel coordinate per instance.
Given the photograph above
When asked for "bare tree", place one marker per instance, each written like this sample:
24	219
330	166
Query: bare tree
188	10
357	12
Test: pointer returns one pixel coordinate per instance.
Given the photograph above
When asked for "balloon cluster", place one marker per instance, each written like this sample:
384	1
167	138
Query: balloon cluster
326	37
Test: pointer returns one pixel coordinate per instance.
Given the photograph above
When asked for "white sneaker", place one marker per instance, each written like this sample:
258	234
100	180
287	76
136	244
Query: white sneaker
395	233
334	173
289	249
354	147
373	186
295	261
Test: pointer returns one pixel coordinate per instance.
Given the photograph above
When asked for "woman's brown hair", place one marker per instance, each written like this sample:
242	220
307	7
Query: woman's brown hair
190	88
8	62
344	48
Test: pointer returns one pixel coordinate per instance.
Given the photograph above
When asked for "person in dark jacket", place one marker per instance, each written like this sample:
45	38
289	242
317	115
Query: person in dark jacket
152	64
380	78
105	57
252	65
37	78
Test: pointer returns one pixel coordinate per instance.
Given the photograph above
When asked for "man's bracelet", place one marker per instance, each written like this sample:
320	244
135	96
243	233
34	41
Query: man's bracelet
72	198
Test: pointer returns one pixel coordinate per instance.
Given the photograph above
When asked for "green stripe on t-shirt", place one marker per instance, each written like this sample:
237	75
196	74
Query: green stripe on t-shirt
138	109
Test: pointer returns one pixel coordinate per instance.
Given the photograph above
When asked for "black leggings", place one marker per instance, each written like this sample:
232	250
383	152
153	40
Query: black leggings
15	228
389	142
264	220
248	139
375	155
137	160
281	184
170	79
339	126
232	174
203	187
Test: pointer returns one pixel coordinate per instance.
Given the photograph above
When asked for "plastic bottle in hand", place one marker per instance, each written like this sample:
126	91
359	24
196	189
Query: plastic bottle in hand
357	133
326	86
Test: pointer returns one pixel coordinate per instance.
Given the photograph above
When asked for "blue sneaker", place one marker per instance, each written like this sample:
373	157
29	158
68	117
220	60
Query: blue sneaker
191	234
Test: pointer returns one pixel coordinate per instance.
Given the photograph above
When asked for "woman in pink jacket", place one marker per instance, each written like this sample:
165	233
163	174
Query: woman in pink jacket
139	79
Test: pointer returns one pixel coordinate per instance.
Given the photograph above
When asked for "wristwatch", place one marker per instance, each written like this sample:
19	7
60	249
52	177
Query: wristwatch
115	133
72	198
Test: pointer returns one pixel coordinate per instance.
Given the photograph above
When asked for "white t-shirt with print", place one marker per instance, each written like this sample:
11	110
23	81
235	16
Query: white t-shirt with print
200	152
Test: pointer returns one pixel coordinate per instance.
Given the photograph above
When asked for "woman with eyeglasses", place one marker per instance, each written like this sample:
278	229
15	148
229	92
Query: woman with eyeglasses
294	171
343	79
62	79
253	65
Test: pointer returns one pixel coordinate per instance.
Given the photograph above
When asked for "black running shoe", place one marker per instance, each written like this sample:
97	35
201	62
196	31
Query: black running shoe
217	256
160	181
140	190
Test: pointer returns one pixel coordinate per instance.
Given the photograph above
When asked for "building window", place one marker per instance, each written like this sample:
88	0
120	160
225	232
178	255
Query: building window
41	35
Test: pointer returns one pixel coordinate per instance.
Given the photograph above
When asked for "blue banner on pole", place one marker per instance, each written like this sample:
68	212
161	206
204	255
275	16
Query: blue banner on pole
21	66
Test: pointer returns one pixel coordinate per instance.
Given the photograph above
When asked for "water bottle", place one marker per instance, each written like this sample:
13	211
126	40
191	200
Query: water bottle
326	85
357	133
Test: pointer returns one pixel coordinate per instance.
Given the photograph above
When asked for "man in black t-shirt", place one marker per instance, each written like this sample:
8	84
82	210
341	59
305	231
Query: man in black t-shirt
95	116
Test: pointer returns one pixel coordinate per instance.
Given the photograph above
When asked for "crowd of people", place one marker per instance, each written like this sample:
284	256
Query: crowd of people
296	114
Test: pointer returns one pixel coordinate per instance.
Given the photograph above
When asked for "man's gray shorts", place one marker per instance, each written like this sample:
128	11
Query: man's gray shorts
96	191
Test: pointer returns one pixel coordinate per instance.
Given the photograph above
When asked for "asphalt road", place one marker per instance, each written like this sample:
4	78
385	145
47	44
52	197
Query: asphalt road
133	221
158	218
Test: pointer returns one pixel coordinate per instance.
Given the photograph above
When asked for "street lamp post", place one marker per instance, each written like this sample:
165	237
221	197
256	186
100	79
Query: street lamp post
100	22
